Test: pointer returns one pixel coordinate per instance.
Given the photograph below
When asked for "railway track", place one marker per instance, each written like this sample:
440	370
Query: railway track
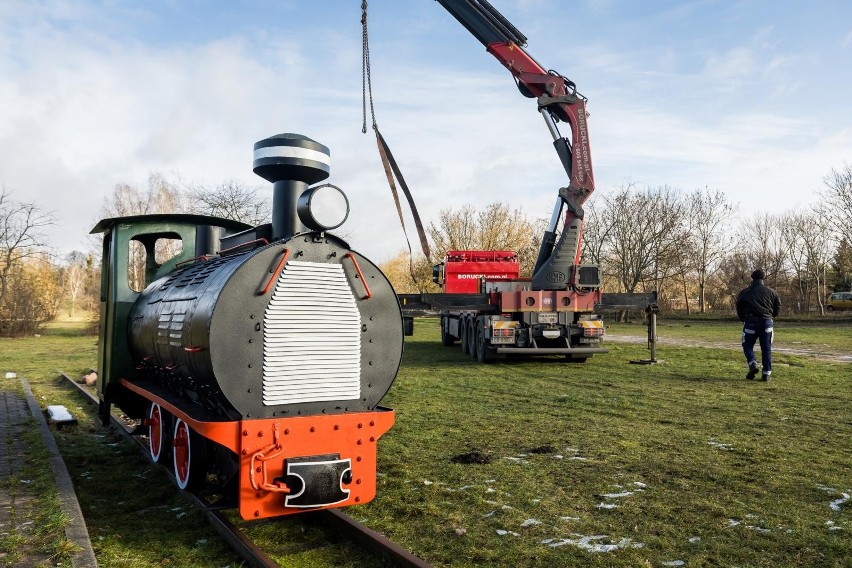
375	543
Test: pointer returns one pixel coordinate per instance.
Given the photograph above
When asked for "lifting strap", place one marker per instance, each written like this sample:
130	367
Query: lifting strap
388	162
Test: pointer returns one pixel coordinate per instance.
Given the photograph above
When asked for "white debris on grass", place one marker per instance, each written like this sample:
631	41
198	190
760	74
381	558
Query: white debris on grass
673	563
732	523
488	514
589	543
515	459
570	518
835	505
606	506
427	482
640	485
720	445
501	532
490	490
758	529
578	458
558	456
536	500
694	539
617	495
530	523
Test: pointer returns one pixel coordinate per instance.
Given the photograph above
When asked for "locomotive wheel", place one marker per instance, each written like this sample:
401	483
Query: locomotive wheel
159	433
187	456
465	347
447	340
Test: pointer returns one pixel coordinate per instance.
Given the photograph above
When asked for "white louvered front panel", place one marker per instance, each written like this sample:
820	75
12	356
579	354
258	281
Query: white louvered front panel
312	337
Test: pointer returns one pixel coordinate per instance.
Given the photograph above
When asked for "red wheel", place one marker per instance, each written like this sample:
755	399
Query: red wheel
157	433
188	466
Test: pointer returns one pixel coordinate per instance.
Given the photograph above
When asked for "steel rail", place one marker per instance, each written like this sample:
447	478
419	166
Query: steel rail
241	544
373	541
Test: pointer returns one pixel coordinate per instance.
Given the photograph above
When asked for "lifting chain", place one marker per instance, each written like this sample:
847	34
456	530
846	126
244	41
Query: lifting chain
388	161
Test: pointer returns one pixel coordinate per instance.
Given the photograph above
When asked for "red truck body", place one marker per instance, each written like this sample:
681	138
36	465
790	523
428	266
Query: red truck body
465	269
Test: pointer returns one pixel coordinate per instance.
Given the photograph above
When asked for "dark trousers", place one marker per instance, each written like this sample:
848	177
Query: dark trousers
755	330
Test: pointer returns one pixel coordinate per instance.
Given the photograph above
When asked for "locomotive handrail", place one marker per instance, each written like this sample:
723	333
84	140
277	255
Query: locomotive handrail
275	273
241	245
203	257
360	275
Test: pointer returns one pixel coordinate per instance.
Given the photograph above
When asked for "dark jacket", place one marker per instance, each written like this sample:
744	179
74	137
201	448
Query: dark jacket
758	301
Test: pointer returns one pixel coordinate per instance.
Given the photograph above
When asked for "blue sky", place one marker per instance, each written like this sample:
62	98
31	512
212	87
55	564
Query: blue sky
752	98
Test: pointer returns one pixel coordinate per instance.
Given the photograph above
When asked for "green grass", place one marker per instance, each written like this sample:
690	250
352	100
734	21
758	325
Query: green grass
709	448
819	335
36	501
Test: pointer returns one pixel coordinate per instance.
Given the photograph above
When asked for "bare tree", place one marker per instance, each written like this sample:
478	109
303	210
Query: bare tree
74	276
836	203
708	219
805	237
232	200
644	237
161	196
21	234
497	227
760	244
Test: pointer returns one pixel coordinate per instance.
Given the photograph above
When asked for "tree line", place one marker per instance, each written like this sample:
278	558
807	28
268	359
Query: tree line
36	283
689	246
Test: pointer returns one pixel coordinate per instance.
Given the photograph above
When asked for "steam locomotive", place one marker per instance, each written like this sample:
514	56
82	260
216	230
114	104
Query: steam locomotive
256	357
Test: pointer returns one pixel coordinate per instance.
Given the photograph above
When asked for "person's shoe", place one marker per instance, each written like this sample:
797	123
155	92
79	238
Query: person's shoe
753	370
764	378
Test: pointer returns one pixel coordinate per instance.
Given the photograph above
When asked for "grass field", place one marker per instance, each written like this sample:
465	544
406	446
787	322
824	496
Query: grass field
601	464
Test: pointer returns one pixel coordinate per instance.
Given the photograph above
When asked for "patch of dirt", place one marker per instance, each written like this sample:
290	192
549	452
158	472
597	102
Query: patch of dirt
545	449
471	458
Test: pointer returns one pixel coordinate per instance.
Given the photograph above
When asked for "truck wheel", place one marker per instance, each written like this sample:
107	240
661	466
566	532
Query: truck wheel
483	350
472	335
830	308
465	347
575	359
447	340
477	337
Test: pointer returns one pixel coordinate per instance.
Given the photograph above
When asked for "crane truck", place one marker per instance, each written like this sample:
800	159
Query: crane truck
496	312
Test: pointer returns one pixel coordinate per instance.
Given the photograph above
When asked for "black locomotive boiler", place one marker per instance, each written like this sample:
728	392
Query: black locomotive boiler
256	356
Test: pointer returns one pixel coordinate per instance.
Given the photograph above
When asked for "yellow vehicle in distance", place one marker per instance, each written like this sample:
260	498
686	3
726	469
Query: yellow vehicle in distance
840	301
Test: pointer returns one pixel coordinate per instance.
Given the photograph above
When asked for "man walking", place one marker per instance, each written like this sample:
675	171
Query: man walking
757	305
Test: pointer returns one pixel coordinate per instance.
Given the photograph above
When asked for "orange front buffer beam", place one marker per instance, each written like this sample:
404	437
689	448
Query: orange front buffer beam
349	439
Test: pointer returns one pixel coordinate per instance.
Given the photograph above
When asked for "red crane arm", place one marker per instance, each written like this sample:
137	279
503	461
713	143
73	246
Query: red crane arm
560	98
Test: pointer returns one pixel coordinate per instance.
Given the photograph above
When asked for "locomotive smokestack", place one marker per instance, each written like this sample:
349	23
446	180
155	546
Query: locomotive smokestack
291	162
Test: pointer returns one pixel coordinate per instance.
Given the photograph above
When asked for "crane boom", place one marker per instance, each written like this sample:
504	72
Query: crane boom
557	266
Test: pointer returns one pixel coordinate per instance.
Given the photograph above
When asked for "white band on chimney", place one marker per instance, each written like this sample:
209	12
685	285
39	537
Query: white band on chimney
292	152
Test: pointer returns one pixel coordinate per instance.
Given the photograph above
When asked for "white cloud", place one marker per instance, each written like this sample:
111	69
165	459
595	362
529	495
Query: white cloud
81	111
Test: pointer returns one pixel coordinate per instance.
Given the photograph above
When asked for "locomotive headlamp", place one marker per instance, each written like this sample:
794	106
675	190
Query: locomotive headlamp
323	207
